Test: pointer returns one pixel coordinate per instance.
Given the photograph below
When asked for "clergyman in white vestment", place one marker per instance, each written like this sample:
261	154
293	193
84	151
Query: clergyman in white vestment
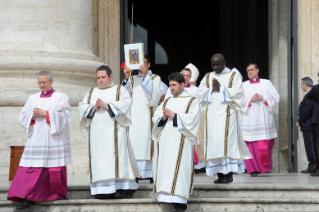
257	120
176	123
145	90
42	174
105	113
221	94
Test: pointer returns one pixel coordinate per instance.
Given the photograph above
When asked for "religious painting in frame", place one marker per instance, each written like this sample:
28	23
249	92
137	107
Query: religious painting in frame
134	55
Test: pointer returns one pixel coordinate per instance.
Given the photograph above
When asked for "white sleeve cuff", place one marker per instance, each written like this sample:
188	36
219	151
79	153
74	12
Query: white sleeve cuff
224	97
88	110
179	124
147	85
209	95
116	111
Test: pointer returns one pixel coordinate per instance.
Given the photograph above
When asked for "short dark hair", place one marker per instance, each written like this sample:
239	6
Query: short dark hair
147	58
255	64
175	76
104	68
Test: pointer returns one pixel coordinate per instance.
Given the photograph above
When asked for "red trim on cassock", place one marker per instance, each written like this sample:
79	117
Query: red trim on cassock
266	103
32	122
48	118
249	104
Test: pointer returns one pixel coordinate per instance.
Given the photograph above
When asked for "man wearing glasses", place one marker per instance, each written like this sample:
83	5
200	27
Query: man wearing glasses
42	174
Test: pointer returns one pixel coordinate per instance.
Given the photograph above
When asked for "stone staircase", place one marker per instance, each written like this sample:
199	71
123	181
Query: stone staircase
206	197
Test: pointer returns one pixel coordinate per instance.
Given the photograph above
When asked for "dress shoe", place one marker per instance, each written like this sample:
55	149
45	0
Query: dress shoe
104	196
254	174
178	210
118	194
315	174
25	204
196	171
228	178
151	180
308	171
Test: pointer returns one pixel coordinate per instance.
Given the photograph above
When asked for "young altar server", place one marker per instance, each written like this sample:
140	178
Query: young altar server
42	174
176	124
105	113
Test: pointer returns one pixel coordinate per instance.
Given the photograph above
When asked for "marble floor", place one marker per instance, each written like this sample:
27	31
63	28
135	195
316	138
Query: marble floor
270	179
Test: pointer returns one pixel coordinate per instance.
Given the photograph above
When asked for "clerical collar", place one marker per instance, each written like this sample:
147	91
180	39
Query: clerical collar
187	85
224	71
253	81
47	94
112	85
308	91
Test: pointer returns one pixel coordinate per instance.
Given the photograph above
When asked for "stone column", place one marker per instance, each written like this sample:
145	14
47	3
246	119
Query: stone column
278	76
71	38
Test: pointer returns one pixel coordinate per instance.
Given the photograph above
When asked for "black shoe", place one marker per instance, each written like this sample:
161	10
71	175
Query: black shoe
118	194
178	210
104	196
254	174
136	180
308	171
220	179
197	171
315	174
228	178
151	180
25	204
128	193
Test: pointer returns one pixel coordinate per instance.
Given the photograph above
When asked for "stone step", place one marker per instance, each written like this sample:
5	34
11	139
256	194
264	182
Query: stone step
212	191
194	204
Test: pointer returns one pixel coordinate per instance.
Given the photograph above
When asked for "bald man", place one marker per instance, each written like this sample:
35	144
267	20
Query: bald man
221	95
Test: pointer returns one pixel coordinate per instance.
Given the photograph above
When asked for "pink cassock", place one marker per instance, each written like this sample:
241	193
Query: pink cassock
261	152
37	183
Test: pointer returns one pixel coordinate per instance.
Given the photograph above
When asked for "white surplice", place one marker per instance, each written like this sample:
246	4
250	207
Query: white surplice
257	118
48	144
112	161
224	143
173	162
145	93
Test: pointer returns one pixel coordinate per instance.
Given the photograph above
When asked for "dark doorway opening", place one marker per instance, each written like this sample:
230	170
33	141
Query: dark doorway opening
176	33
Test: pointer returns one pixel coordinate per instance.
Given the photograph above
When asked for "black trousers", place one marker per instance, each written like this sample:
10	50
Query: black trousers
180	206
310	137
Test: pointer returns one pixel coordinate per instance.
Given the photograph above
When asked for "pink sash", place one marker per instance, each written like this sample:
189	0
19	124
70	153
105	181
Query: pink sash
263	152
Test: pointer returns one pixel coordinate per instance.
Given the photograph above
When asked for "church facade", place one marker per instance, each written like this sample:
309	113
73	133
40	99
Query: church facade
72	38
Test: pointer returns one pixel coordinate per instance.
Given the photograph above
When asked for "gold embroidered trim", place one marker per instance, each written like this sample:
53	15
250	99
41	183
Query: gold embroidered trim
178	164
180	152
154	76
226	132
207	79
90	166
116	143
231	80
165	102
156	167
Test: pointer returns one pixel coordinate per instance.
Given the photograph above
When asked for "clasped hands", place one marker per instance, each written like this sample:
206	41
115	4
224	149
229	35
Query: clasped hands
38	112
216	85
100	104
256	98
167	113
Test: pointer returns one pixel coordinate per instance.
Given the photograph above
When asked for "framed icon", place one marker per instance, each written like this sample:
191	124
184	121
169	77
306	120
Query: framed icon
134	55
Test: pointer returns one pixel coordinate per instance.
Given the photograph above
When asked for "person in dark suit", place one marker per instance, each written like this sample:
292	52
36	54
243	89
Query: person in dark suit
307	127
